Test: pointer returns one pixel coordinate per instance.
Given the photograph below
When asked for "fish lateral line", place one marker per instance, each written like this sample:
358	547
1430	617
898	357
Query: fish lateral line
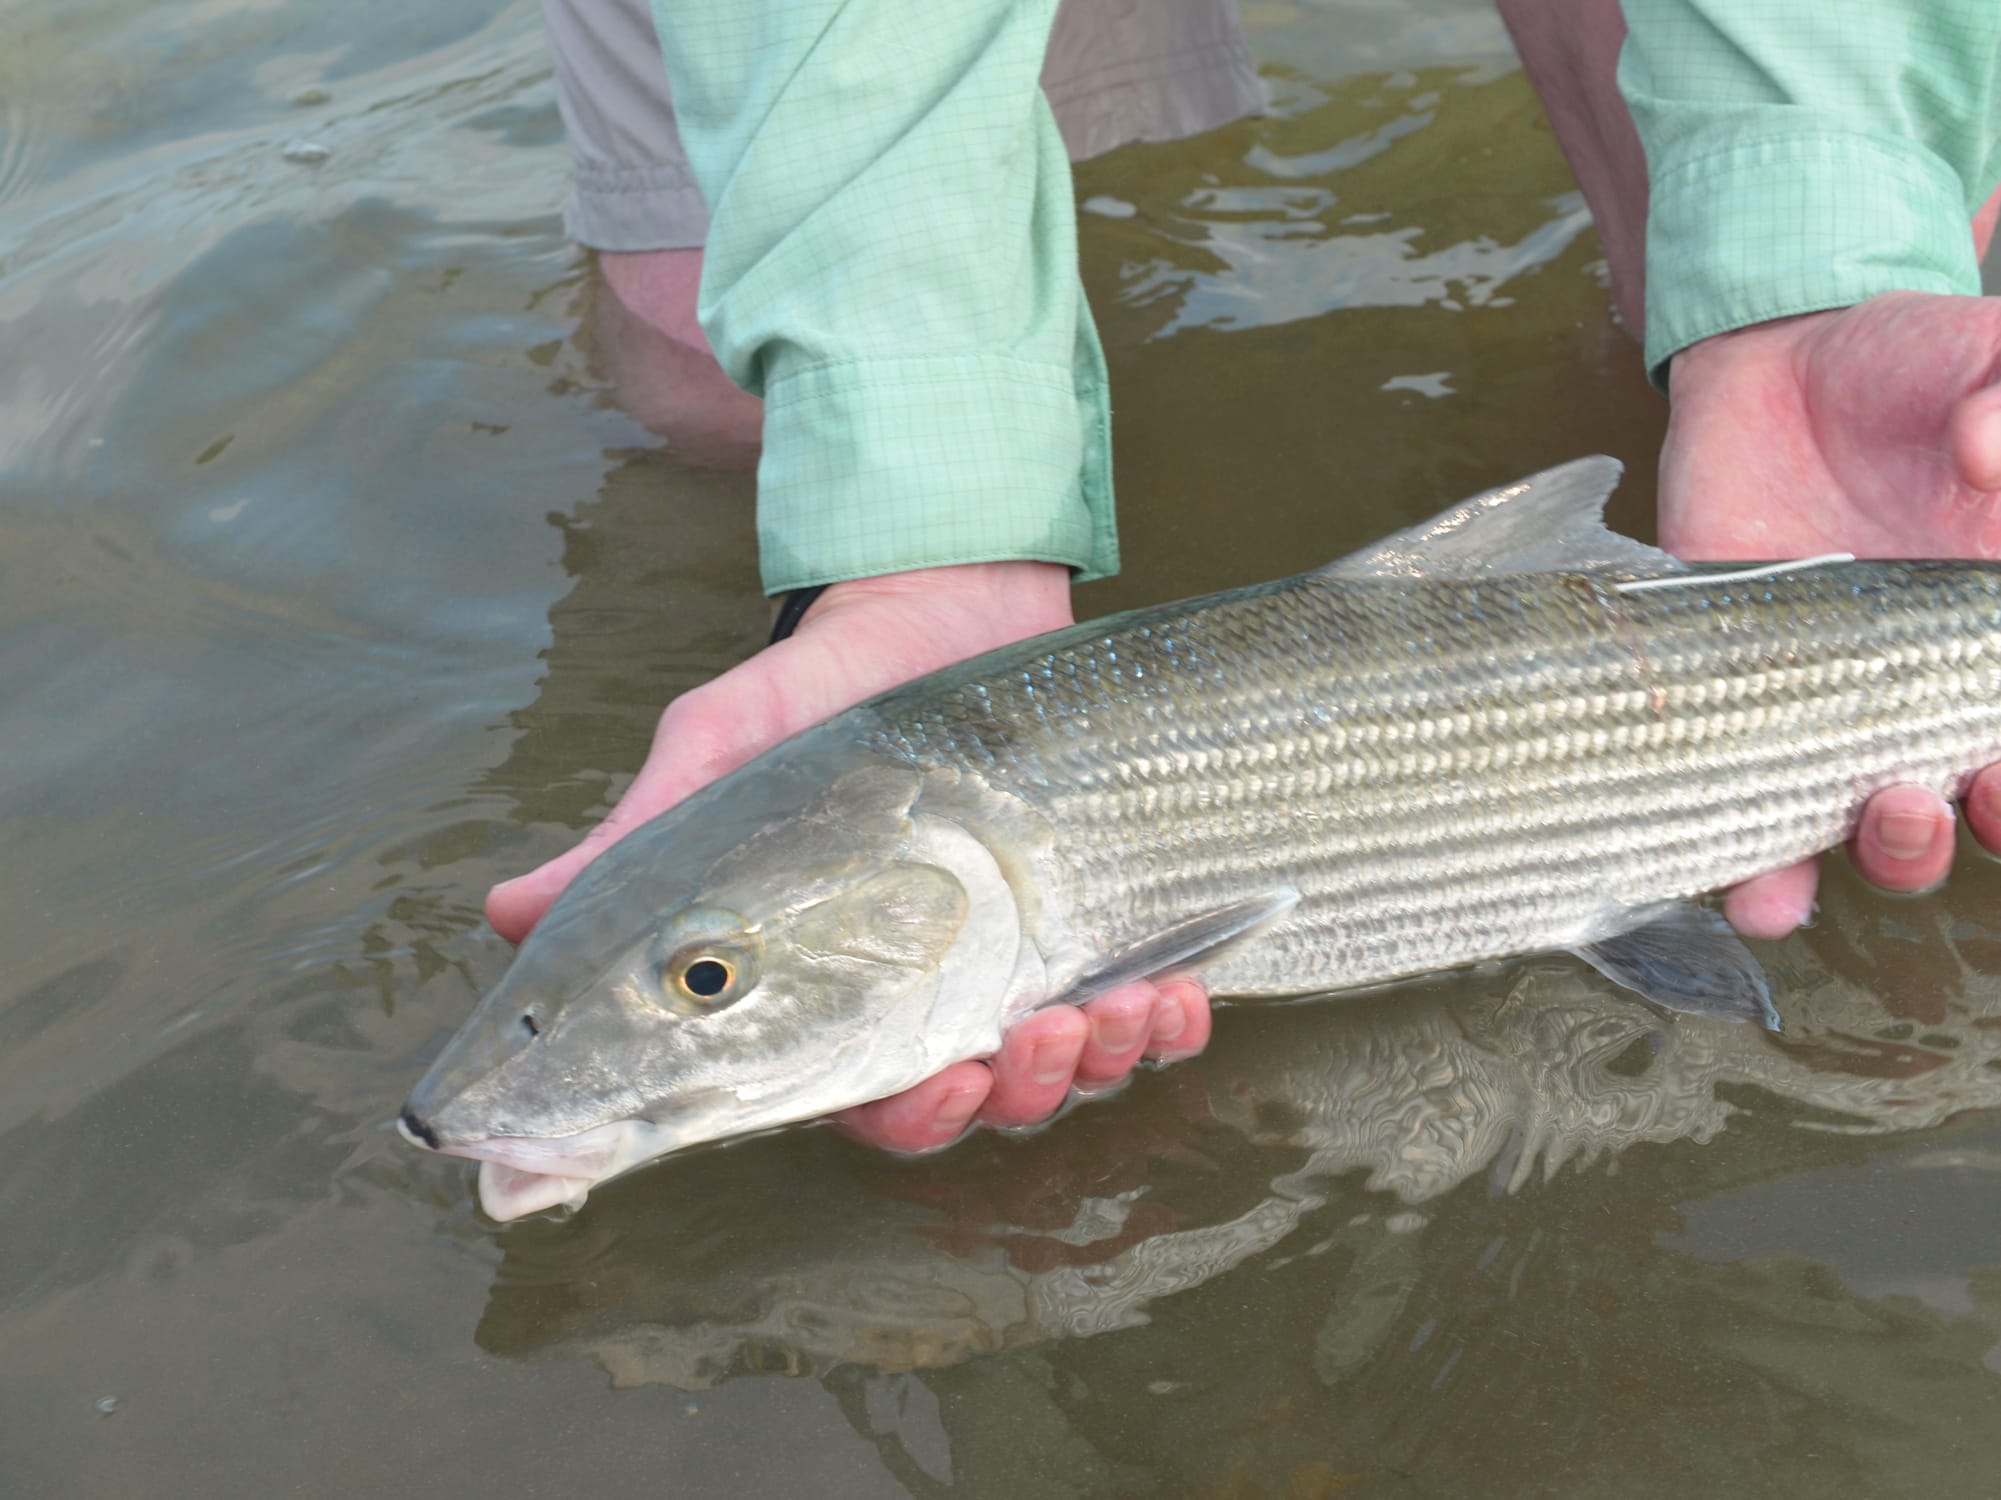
1739	575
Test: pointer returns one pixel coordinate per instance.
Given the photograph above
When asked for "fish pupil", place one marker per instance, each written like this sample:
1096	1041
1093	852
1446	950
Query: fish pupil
707	978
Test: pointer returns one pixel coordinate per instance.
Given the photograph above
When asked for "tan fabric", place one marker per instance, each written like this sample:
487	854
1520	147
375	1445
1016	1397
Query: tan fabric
1120	71
1117	71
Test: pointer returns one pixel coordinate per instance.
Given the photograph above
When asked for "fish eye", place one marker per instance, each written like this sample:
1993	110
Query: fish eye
705	975
707	978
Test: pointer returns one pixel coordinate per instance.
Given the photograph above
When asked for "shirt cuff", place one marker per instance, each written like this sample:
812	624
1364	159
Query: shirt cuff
882	465
1795	222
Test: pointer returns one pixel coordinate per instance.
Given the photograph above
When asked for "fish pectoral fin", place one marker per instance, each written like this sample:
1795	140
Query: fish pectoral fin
1686	957
1549	522
1187	944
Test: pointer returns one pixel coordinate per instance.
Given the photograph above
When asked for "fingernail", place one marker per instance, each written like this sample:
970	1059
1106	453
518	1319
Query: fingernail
958	1107
1117	1032
1169	1021
1054	1060
1904	835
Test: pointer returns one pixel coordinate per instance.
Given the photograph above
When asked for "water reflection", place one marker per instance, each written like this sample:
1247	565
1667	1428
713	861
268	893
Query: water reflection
1320	215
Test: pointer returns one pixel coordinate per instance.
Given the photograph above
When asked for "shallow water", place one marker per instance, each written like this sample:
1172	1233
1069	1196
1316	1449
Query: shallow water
334	586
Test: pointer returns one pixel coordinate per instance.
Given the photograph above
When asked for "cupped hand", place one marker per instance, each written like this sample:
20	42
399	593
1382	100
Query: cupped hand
1873	429
859	639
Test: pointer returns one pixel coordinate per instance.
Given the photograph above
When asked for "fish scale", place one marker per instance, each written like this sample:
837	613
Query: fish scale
1453	769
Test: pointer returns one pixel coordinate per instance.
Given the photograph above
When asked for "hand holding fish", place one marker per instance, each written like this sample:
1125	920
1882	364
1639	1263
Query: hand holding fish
1873	429
860	639
1750	410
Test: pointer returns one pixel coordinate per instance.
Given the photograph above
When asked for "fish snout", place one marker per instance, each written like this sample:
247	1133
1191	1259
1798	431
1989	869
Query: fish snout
440	1130
415	1131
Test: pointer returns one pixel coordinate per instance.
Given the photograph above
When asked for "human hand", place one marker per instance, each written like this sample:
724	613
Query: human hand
859	639
1873	429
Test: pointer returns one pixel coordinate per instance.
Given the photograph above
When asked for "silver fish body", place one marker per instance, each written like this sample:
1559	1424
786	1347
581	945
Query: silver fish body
1451	770
1504	732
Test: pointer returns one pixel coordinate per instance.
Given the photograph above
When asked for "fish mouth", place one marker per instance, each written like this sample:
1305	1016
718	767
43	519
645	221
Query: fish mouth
520	1175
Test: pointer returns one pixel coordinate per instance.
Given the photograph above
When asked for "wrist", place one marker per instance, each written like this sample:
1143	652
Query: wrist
973	605
1040	588
1717	357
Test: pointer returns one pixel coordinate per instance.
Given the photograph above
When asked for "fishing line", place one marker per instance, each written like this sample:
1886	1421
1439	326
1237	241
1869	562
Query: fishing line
1763	570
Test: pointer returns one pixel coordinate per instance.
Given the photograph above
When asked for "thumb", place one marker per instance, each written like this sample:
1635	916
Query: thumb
514	906
703	733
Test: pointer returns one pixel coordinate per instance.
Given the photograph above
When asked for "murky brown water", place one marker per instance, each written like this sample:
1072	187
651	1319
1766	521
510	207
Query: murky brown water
334	586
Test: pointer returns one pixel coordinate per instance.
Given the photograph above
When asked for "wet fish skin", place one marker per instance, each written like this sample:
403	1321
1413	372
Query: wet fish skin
1453	770
1474	741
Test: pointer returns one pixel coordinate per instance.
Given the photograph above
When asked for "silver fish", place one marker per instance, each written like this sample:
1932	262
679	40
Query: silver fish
1504	731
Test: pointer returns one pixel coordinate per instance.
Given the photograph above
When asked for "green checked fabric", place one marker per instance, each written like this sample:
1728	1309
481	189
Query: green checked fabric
892	265
1807	154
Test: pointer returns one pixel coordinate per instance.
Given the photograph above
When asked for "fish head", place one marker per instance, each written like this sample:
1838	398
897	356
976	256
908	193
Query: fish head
775	948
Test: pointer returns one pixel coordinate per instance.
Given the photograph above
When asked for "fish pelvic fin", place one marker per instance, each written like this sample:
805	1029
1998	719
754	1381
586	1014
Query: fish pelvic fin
1549	522
1186	945
1685	957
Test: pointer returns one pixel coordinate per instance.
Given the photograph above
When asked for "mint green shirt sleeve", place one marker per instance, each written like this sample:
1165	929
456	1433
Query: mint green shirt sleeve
892	266
1808	154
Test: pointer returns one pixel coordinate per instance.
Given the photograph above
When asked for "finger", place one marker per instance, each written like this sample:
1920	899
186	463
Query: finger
1772	905
1904	842
1180	1021
1976	439
1121	1021
1035	1067
934	1113
1983	809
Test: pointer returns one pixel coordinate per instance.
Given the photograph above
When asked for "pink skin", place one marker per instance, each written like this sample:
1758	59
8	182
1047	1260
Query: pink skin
1874	430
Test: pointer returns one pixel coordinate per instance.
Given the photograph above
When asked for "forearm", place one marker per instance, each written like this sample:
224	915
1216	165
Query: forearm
1570	51
892	266
1807	154
1772	128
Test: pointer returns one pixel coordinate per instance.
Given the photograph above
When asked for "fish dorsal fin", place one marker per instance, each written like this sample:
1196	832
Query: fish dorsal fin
1186	945
1549	522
